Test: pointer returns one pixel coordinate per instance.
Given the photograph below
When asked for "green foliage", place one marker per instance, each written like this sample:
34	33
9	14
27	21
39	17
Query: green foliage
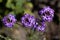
35	35
9	4
19	5
16	5
6	38
0	0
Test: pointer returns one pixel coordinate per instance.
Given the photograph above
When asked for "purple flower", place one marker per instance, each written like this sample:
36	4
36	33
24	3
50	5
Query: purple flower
47	14
40	25
9	20
28	20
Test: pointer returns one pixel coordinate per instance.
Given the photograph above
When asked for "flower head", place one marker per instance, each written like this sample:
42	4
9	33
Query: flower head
40	25
47	14
28	20
9	20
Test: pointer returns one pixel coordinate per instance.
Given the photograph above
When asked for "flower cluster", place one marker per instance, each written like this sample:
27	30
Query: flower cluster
30	21
47	14
9	20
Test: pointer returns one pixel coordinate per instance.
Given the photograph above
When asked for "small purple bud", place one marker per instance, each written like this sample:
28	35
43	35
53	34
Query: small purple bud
40	25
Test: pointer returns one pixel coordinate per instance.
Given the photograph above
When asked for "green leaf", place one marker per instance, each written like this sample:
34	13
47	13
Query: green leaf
0	1
9	4
19	5
12	12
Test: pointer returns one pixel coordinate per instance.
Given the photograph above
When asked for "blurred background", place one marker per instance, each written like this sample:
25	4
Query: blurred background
18	32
